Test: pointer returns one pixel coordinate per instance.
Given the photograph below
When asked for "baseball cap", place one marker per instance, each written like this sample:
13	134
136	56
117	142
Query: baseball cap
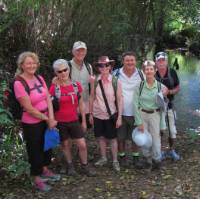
79	45
161	55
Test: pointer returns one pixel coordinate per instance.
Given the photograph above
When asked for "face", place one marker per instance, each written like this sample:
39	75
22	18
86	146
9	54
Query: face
129	62
29	65
79	54
104	69
149	71
62	72
161	63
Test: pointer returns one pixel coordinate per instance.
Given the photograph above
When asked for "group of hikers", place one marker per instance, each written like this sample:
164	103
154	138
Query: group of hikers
113	102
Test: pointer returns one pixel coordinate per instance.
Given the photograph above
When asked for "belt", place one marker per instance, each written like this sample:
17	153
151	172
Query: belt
150	111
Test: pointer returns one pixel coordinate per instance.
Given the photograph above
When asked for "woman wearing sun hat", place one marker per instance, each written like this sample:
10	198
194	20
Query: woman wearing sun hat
104	90
148	114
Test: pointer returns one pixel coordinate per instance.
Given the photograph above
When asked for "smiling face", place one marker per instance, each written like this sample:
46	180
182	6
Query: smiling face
129	62
79	54
62	72
104	68
29	65
149	71
161	64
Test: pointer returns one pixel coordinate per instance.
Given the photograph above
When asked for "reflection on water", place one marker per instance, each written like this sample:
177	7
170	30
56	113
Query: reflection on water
188	99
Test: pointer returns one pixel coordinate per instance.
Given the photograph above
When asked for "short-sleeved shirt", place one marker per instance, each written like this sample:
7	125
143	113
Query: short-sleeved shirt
82	75
68	102
99	107
166	80
38	97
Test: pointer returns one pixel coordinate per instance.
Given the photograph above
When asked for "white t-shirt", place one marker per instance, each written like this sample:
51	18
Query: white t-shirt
128	85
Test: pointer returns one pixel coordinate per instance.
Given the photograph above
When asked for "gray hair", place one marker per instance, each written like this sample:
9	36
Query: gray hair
58	63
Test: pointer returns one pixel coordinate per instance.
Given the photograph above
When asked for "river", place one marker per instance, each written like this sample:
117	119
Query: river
188	99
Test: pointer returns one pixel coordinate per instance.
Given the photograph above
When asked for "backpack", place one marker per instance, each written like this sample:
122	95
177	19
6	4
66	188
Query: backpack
58	94
142	85
12	103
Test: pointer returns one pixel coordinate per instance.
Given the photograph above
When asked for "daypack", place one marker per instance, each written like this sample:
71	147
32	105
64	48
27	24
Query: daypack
58	94
12	103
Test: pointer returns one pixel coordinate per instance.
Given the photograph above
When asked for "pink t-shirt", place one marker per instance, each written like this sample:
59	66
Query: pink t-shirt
38	98
99	107
68	104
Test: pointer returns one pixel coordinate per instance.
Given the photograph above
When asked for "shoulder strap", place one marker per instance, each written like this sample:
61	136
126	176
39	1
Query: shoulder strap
104	97
88	67
141	87
39	79
141	74
159	86
70	66
117	72
24	83
75	86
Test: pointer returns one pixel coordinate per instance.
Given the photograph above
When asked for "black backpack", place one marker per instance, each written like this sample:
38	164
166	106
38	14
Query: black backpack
12	103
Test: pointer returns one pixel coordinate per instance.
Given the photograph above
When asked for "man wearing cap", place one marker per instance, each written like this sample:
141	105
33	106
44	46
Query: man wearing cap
82	72
129	76
169	78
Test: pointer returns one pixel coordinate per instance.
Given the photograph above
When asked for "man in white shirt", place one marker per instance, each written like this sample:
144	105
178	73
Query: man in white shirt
129	76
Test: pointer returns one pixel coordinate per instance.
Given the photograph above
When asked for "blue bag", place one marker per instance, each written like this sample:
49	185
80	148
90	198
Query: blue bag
51	139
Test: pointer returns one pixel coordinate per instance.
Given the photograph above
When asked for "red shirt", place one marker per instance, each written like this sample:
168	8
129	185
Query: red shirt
68	105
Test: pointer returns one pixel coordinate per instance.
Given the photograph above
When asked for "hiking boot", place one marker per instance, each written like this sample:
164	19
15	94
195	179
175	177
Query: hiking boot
116	166
87	170
143	164
156	165
50	176
71	170
172	154
41	186
101	162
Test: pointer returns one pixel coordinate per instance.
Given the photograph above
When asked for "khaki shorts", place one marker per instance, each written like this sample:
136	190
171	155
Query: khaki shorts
125	131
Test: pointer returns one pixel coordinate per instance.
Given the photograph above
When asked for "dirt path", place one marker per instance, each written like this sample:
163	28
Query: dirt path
175	180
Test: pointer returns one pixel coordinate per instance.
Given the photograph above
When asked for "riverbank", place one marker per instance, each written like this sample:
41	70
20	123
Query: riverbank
175	180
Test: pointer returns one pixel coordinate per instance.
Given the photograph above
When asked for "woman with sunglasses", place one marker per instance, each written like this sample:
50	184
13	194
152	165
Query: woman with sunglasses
104	128
37	114
70	99
148	114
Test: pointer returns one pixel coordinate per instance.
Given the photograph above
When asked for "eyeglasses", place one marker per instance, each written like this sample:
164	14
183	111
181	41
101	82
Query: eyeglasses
61	71
101	65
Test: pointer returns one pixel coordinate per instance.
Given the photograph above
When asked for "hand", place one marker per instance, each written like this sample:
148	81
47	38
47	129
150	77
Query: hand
91	120
84	126
55	80
52	123
92	79
119	121
141	128
165	91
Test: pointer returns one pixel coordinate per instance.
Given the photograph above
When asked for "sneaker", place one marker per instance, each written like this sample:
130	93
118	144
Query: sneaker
48	174
71	170
101	162
174	155
40	185
164	155
116	166
89	171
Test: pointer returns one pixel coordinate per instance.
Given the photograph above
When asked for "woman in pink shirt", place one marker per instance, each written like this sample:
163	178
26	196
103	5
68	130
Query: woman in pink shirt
104	128
37	114
69	95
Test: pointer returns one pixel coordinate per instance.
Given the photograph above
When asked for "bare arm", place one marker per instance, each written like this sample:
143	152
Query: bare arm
119	104
175	90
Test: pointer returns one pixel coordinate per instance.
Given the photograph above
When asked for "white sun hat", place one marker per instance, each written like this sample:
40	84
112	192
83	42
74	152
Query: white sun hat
142	139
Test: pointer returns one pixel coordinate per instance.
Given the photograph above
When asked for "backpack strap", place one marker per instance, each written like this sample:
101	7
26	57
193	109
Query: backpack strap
141	74
159	86
116	72
24	83
141	87
88	67
39	79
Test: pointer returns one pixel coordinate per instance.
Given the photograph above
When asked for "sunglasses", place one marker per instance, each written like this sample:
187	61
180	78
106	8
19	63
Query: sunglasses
61	71
103	65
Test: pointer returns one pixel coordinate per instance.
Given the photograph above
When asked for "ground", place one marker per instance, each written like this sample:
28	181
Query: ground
175	180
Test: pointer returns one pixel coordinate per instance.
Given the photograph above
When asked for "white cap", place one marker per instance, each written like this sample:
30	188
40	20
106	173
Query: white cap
79	45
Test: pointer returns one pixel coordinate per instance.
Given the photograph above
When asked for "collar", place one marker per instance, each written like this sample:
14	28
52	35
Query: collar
109	79
153	86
